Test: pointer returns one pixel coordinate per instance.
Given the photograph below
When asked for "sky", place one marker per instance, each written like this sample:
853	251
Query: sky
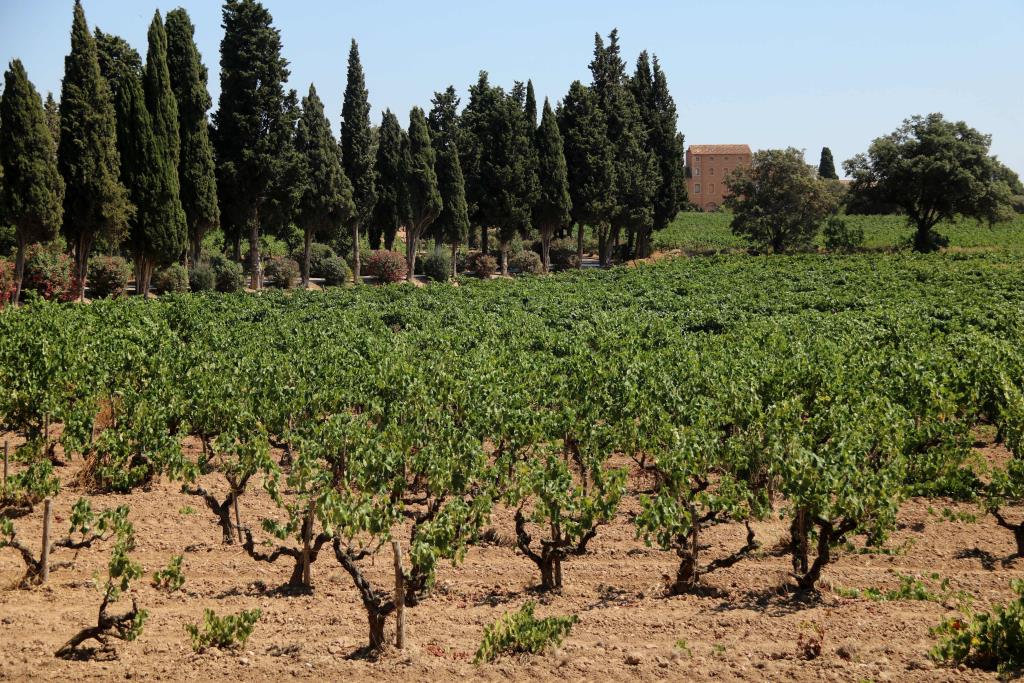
805	74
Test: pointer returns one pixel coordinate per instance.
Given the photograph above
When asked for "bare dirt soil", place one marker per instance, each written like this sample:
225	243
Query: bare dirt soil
745	627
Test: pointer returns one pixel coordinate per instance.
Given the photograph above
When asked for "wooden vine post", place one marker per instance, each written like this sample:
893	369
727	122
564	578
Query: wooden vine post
5	472
399	596
44	556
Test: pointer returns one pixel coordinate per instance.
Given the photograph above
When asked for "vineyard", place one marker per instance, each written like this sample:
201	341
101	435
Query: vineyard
749	468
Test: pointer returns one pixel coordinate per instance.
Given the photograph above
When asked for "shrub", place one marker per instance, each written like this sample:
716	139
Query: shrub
48	273
438	267
318	255
841	236
222	632
387	266
563	254
516	632
484	266
283	272
173	279
527	262
335	271
987	640
109	276
201	278
227	275
7	284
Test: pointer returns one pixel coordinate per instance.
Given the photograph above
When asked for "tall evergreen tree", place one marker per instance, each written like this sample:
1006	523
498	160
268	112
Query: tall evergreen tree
827	166
424	197
95	201
197	176
589	159
636	170
33	190
452	225
52	110
357	149
325	195
482	100
391	209
551	210
163	240
658	112
251	121
530	106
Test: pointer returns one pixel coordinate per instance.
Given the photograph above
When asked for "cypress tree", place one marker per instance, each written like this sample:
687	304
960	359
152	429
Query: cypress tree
473	124
636	170
827	166
251	121
32	190
421	182
391	209
551	210
52	120
197	177
530	106
658	113
588	157
357	149
452	225
95	201
161	240
324	194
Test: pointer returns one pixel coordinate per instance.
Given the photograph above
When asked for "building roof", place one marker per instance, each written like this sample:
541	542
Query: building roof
719	149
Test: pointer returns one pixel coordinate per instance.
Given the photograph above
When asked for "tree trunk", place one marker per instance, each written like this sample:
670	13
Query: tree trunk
236	248
545	249
196	252
547	575
410	255
255	265
455	255
798	540
504	258
307	247
82	249
579	245
631	241
377	622
688	575
483	239
357	276
19	271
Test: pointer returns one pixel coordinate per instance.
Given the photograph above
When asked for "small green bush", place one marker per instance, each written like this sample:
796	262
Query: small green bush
335	271
516	632
387	266
171	578
7	284
527	262
841	236
109	276
282	272
227	275
484	266
318	255
563	253
173	279
202	278
222	632
48	273
985	640
438	267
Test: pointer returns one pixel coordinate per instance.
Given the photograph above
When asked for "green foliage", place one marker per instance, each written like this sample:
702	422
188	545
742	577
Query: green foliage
335	271
201	278
357	139
230	631
227	274
452	224
527	263
985	640
283	272
588	155
170	578
521	632
196	171
7	283
387	266
49	274
109	276
827	166
173	279
778	202
553	204
438	267
392	168
910	588
841	235
34	483
934	170
484	266
421	185
318	255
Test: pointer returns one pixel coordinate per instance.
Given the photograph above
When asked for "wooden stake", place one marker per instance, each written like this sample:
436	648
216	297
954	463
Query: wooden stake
5	471
399	596
44	556
307	537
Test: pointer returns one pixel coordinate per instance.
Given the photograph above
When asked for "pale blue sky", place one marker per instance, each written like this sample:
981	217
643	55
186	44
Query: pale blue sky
770	74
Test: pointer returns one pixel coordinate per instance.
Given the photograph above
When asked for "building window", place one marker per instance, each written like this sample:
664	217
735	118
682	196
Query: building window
696	171
711	188
711	171
696	188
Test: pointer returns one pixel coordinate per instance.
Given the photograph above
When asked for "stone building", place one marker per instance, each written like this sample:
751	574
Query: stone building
706	168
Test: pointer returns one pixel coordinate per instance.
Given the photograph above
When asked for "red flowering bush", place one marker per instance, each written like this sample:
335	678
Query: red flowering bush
387	266
49	274
7	284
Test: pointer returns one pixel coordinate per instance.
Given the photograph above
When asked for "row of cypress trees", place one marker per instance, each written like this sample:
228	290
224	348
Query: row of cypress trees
131	154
